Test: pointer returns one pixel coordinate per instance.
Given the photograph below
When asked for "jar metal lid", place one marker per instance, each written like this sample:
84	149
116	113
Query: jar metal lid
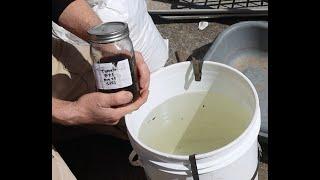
108	32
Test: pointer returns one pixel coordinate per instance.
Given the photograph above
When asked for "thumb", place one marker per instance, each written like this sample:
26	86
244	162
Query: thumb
119	98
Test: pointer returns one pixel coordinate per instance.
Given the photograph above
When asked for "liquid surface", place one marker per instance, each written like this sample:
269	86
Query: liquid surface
194	123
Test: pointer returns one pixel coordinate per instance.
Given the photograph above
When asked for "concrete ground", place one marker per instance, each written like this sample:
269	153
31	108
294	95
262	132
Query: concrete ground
187	39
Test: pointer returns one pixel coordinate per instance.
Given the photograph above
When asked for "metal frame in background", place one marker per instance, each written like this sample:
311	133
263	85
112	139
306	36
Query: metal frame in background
207	9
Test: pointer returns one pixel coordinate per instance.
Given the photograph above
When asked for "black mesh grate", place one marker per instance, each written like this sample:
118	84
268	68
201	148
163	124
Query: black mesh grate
219	4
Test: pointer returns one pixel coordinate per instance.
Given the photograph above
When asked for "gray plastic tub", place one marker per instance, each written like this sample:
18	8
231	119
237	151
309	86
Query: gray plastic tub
244	46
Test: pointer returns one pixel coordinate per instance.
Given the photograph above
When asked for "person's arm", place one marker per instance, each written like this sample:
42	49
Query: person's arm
92	108
75	16
63	112
95	108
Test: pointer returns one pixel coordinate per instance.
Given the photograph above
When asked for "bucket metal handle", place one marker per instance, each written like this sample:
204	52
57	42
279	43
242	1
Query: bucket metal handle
134	162
194	168
259	157
192	160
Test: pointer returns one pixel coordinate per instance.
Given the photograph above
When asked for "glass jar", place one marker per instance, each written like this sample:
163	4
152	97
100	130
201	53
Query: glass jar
113	58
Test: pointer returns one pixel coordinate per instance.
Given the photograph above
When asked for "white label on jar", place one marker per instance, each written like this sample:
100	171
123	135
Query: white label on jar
111	76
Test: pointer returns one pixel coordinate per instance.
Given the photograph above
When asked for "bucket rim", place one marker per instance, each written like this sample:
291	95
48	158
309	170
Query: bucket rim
216	151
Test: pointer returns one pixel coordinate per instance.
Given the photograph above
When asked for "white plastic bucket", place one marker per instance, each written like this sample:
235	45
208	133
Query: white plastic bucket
237	160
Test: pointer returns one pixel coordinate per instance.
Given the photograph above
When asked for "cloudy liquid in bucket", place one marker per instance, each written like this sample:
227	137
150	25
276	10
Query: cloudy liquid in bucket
196	122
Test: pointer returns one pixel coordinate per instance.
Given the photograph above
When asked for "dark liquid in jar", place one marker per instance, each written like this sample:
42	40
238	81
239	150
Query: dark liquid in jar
134	88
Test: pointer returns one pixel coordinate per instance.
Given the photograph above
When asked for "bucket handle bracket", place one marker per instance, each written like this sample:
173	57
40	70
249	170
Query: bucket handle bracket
137	162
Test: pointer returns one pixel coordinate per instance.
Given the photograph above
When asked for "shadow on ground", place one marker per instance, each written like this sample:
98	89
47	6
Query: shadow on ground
99	157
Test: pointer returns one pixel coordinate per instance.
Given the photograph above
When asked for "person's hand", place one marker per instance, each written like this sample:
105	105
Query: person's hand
108	109
143	73
103	108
